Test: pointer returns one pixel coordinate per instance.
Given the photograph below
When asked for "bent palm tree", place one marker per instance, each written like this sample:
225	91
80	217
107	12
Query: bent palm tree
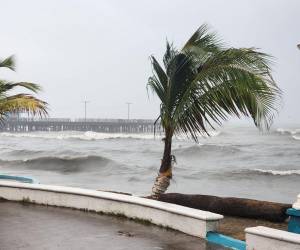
18	102
204	84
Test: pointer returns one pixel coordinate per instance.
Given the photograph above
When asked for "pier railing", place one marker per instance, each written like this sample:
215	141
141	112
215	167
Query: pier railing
67	124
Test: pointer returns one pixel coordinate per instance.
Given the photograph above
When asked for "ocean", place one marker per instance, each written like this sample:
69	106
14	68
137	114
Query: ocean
236	161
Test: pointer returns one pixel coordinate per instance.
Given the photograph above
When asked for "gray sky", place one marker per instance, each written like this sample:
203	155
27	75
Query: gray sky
99	50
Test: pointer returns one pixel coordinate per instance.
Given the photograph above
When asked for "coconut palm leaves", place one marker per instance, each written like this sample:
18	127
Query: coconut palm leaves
23	102
205	83
8	63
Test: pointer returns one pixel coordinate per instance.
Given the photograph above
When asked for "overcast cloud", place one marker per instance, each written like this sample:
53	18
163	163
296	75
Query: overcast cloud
99	50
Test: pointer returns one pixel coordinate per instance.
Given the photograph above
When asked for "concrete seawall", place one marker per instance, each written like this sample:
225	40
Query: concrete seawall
190	221
265	238
187	220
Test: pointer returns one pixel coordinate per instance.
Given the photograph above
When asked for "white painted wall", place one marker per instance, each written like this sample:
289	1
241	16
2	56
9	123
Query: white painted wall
265	238
187	220
296	205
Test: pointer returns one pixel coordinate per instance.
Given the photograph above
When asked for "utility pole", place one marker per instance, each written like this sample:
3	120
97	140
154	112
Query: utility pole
128	109
85	104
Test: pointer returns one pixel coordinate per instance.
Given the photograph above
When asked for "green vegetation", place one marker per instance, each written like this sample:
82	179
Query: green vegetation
22	102
206	83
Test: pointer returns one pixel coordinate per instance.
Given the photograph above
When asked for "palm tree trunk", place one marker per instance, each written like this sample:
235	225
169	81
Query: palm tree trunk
162	181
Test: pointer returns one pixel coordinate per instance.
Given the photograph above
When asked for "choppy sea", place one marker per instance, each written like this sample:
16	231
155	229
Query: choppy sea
234	161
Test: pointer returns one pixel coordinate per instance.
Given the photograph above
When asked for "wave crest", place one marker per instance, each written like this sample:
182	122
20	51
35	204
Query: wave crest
91	135
88	136
284	131
278	172
61	164
206	149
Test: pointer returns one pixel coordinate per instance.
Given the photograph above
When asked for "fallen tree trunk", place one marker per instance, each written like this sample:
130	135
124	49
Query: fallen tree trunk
240	207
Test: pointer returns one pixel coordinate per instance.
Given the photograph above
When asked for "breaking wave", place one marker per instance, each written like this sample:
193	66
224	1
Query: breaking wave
278	172
254	173
61	164
206	149
214	133
88	136
288	131
17	154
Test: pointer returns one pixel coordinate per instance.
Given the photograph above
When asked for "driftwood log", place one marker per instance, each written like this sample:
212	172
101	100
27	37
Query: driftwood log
239	207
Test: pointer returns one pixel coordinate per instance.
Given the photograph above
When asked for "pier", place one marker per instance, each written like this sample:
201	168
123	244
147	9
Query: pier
66	124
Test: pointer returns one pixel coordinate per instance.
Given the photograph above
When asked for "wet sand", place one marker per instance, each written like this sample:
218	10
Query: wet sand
235	226
26	226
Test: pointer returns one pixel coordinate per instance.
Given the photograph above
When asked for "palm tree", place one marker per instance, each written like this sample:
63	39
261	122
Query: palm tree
205	83
21	102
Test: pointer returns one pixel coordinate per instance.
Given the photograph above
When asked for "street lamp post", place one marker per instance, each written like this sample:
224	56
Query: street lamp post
85	104
128	109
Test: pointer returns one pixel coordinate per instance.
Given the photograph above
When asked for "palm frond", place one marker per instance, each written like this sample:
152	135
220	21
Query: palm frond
205	84
23	103
19	102
239	85
170	53
6	86
203	41
9	63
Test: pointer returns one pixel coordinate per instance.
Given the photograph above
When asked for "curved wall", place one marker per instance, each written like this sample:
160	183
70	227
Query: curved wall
187	220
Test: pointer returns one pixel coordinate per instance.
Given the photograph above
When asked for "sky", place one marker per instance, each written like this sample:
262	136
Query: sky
99	51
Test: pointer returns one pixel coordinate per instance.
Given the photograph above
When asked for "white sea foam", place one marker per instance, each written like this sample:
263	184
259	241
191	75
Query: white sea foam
29	135
288	131
296	137
212	133
278	172
89	135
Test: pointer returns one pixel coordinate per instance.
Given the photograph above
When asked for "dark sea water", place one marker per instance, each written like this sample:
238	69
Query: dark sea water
234	161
